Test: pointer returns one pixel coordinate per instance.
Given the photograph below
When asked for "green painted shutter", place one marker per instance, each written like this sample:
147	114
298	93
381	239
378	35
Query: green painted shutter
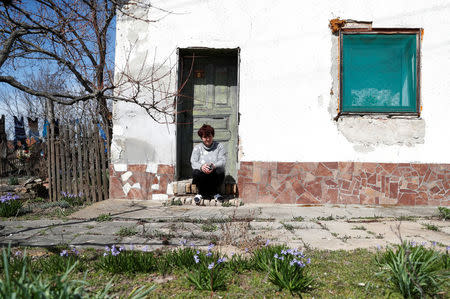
379	73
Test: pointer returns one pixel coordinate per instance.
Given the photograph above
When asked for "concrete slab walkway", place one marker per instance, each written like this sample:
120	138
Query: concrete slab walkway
149	223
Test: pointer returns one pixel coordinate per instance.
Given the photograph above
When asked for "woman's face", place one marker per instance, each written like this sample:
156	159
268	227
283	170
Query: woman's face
207	140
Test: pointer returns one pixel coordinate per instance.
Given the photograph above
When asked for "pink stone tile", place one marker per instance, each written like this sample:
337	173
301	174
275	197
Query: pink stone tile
135	194
256	178
387	201
393	188
323	171
345	167
264	196
249	192
308	166
330	196
366	200
284	167
420	168
115	188
348	199
331	165
369	167
137	167
389	167
286	196
331	183
345	185
315	188
356	188
245	172
166	169
297	186
421	199
307	198
407	199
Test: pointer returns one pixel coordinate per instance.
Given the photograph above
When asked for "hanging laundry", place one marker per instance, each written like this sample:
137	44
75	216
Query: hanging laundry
102	132
33	129
103	135
45	129
19	133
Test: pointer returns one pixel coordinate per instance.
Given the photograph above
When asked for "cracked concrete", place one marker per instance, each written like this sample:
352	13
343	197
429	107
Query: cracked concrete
151	224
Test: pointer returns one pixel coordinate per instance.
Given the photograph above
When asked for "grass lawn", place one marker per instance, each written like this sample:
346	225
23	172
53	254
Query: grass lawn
337	274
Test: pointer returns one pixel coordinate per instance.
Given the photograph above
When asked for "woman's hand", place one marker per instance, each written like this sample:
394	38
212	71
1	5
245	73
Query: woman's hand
207	168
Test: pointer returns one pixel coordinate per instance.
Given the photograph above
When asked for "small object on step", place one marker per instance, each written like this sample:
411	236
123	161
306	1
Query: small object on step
218	197
198	199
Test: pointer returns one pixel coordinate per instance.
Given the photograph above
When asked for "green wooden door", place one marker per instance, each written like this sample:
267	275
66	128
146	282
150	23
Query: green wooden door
208	96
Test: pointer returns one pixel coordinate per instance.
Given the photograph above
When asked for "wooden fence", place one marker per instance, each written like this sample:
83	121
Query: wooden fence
77	163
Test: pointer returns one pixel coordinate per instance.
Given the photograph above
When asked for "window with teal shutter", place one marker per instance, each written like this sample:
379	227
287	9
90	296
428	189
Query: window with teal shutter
379	73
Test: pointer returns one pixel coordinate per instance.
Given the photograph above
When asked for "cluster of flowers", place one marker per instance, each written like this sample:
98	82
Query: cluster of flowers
183	243
70	195
297	257
114	251
8	197
208	254
74	251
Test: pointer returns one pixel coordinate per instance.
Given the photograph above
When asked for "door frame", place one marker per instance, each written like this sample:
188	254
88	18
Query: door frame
204	52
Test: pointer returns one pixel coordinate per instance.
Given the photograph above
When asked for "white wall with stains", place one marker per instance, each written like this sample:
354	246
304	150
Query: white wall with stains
288	60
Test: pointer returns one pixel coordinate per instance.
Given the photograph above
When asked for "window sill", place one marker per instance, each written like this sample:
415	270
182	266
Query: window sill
380	115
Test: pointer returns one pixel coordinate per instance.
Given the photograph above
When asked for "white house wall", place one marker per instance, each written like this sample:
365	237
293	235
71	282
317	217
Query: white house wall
288	80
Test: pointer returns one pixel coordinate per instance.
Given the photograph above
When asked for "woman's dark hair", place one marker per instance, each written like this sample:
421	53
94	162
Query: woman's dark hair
205	131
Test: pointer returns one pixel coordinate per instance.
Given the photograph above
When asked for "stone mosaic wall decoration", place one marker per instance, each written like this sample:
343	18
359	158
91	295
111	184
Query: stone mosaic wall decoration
345	183
140	181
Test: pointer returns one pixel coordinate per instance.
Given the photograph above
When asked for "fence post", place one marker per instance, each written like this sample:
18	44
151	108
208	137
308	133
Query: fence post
73	142
104	168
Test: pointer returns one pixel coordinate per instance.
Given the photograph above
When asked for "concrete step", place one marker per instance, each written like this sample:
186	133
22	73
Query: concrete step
186	187
189	200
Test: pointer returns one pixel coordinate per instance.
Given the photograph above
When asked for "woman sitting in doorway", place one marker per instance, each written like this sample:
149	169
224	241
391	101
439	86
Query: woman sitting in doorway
208	161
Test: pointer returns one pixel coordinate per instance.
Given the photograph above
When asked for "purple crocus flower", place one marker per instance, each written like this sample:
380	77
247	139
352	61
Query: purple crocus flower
308	261
210	266
267	242
196	259
221	260
145	248
275	255
64	253
209	253
211	246
75	251
246	250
